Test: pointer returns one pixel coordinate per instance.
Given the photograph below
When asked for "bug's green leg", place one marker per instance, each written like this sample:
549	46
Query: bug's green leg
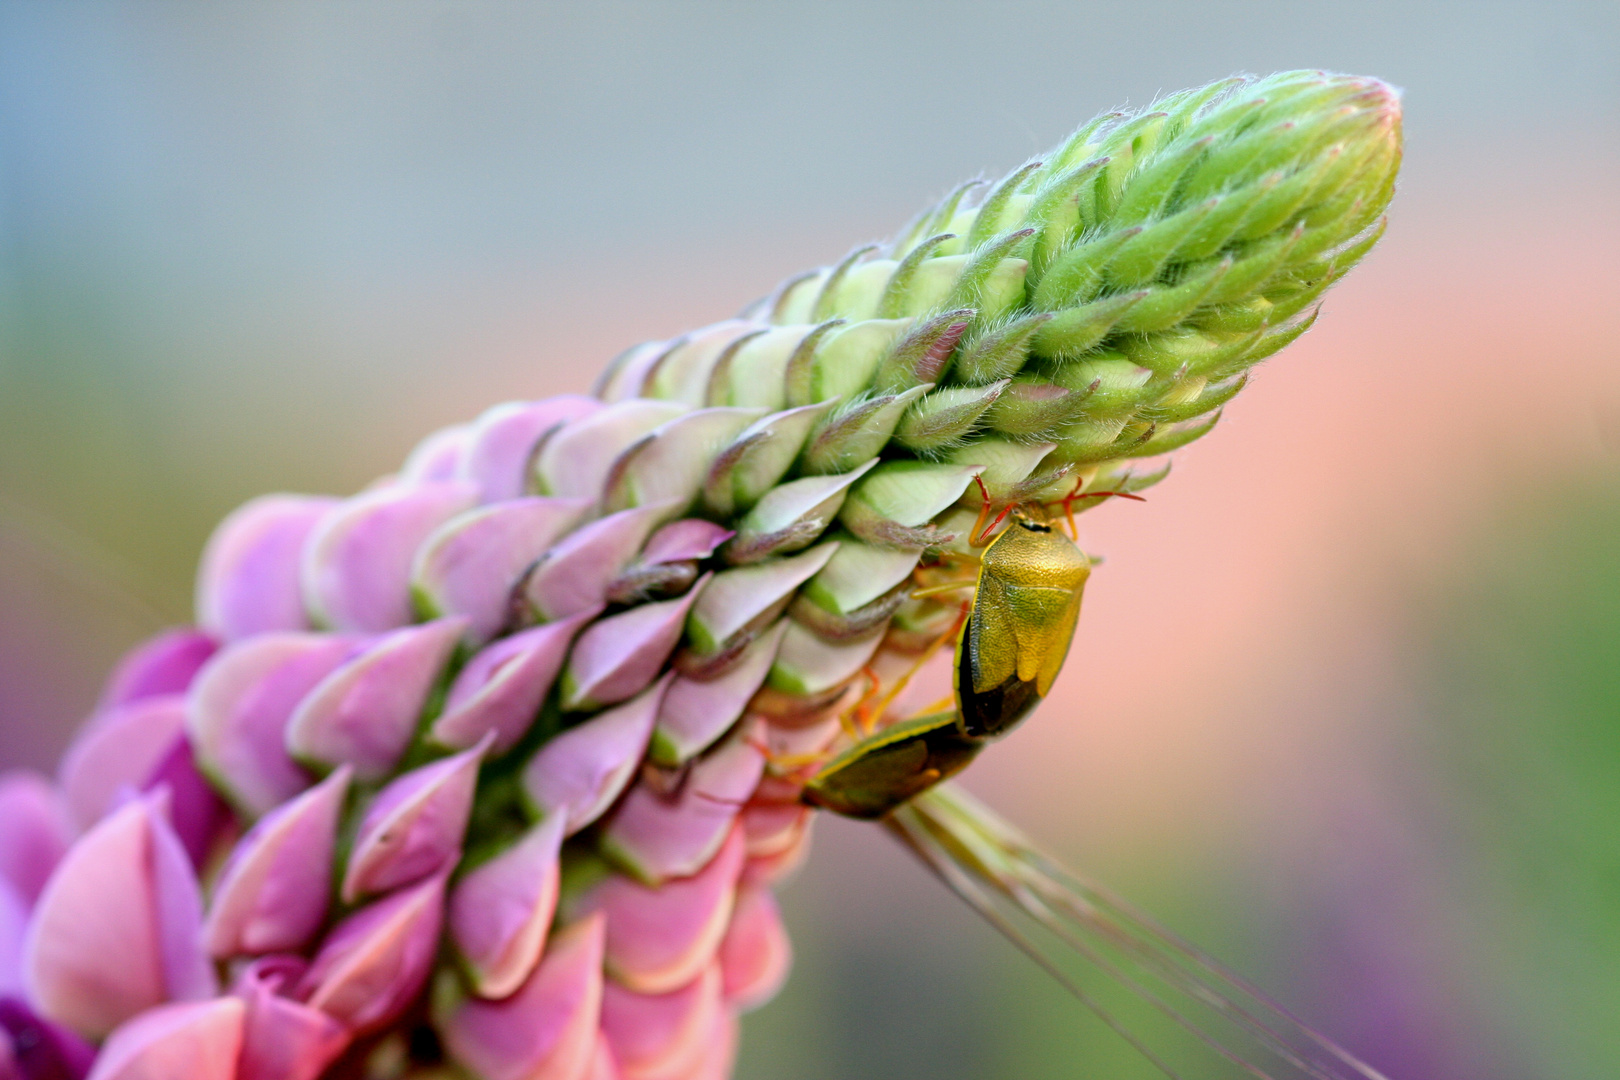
879	773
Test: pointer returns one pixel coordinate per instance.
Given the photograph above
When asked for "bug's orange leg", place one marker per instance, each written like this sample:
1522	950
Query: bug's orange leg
927	654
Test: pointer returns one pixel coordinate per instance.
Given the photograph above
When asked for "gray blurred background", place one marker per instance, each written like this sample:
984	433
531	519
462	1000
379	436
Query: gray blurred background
1345	704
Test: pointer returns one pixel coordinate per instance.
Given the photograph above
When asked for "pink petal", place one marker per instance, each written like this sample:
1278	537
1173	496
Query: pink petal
283	1039
660	939
35	831
663	1036
602	1066
165	664
238	710
39	1049
772	869
195	808
697	712
198	1040
365	712
13	929
574	575
688	538
272	894
248	582
471	564
719	1049
356	569
414	826
755	955
500	911
374	963
577	775
125	890
547	1030
503	439
437	457
773	827
119	749
656	837
618	656
501	688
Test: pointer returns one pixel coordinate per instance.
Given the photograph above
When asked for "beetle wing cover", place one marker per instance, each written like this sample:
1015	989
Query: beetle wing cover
992	635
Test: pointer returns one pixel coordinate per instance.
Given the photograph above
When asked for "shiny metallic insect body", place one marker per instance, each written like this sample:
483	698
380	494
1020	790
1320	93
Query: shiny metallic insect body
1010	648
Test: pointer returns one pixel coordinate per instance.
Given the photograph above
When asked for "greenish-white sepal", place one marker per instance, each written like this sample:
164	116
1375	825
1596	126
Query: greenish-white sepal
1113	385
945	417
1166	305
857	431
573	460
924	353
1140	259
806	665
858	574
760	456
670	463
998	353
1005	205
826	305
1032	407
893	301
987	280
1192	352
796	297
1092	439
895	505
1163	438
933	282
1077	273
737	600
1193	397
861	289
626	373
1148	193
790	516
682	373
1075	331
844	361
755	374
1006	467
1255	267
1054	212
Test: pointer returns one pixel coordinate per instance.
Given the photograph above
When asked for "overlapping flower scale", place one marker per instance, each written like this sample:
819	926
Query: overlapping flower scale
507	747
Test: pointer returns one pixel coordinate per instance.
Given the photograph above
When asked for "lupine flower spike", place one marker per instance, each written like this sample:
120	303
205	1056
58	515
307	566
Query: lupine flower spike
493	766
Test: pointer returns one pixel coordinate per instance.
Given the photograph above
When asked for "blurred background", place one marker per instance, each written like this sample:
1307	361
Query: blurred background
1345	703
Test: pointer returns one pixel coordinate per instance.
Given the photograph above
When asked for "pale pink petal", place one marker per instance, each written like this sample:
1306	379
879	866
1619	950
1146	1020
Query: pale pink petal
119	749
765	870
273	892
619	656
773	827
755	955
283	1039
365	712
503	439
414	826
237	713
696	712
719	1049
547	1030
662	1036
688	538
577	775
575	574
602	1066
374	963
13	928
165	664
248	582
356	569
437	457
500	689
35	831
472	563
198	1041
500	911
660	939
656	837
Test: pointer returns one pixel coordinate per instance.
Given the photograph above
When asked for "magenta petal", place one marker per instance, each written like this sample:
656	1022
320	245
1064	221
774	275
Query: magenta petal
547	1030
471	564
125	890
41	1050
356	571
198	1040
121	748
656	837
283	1039
503	439
366	711
273	892
688	538
195	808
618	656
660	939
437	457
719	1049
165	664
35	831
662	1035
697	712
414	826
575	574
577	775
374	963
13	928
500	689
602	1066
500	911
238	710
755	955
248	582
